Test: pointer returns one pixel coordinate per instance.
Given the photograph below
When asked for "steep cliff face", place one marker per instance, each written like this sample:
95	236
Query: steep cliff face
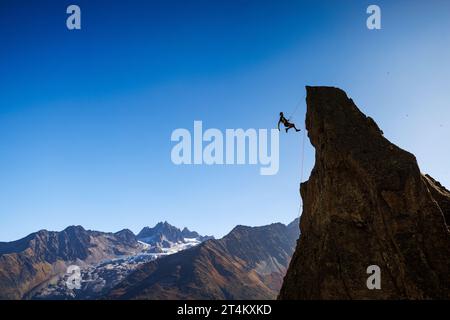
366	203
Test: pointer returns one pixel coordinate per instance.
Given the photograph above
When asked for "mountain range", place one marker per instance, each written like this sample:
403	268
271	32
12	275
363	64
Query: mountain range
35	267
248	263
27	263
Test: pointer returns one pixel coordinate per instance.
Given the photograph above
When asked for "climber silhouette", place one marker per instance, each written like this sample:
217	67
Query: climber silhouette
286	123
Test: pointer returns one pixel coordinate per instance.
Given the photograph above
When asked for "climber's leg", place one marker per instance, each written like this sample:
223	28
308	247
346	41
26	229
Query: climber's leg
288	126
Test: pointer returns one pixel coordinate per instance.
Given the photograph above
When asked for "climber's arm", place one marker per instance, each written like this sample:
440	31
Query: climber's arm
279	121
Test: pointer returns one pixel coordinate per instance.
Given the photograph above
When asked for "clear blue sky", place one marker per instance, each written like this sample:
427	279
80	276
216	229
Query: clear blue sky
86	116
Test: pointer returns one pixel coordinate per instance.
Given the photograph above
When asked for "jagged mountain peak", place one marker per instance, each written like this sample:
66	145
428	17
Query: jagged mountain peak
125	231
160	226
75	228
163	234
126	236
189	234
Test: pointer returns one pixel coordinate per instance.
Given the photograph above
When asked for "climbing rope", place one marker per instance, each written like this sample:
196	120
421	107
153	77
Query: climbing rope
303	152
302	164
304	134
303	144
296	107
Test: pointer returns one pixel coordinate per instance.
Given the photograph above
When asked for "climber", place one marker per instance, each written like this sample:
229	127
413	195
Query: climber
286	123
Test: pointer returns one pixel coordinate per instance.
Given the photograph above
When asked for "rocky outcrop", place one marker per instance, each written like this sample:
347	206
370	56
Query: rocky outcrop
248	263
366	203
